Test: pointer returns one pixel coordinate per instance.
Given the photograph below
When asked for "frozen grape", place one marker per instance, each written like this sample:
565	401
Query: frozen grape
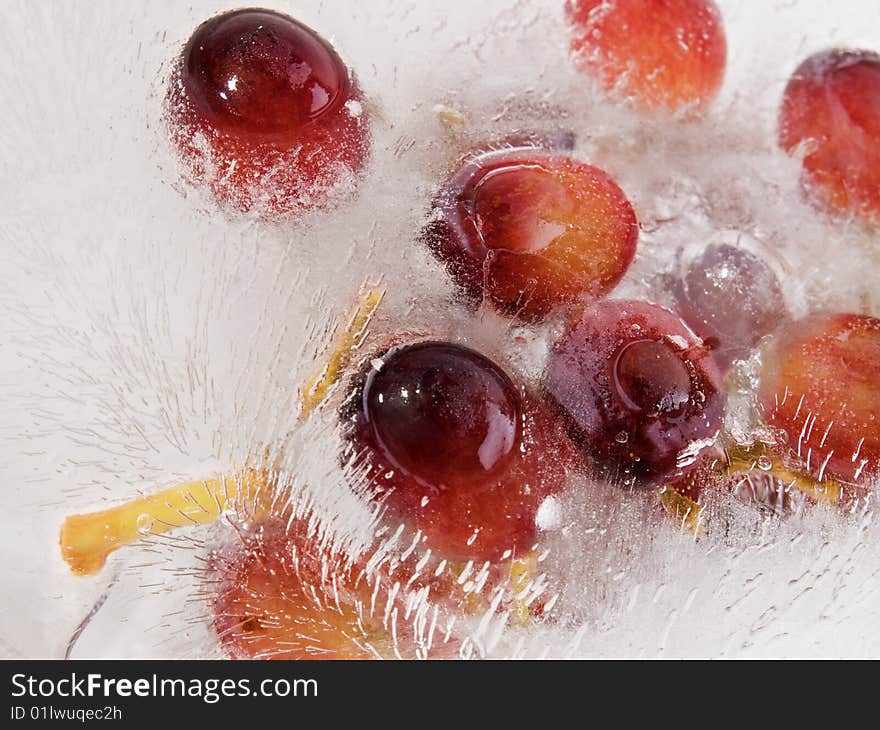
661	53
731	299
820	385
454	448
641	395
281	592
281	595
264	111
831	116
529	230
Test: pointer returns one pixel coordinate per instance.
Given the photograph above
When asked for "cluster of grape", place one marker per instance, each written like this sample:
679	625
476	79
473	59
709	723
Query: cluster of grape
265	114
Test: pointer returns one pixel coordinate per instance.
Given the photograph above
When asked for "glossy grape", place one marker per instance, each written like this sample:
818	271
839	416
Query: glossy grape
642	397
455	449
528	230
264	111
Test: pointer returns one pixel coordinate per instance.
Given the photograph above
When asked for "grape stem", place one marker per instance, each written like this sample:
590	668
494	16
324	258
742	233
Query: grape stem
348	339
522	570
86	540
745	459
688	513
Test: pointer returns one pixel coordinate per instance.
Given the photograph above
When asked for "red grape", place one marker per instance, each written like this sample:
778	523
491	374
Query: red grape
281	595
731	299
261	111
530	230
820	385
661	53
453	447
641	395
831	114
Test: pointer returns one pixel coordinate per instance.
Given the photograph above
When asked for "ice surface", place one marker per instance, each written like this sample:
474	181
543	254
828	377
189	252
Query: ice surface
148	338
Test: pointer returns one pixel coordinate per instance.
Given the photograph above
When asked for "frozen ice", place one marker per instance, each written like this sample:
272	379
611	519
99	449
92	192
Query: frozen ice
150	338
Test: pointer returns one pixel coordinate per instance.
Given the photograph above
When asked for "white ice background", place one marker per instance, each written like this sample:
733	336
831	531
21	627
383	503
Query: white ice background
147	337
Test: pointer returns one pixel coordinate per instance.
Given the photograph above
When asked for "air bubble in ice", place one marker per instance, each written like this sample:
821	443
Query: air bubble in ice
144	524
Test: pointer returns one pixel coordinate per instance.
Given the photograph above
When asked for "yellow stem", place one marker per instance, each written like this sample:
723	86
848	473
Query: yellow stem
347	341
87	540
746	458
449	117
688	513
521	572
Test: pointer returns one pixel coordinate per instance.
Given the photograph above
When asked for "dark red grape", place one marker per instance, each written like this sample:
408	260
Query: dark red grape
260	111
443	412
455	449
642	397
529	230
731	299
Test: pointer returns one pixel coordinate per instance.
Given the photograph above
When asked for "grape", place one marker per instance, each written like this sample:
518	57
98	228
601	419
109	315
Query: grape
661	53
264	112
455	449
529	230
820	386
831	115
281	592
641	396
731	299
280	595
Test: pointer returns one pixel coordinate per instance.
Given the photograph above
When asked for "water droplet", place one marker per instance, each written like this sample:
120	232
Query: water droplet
764	462
622	437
